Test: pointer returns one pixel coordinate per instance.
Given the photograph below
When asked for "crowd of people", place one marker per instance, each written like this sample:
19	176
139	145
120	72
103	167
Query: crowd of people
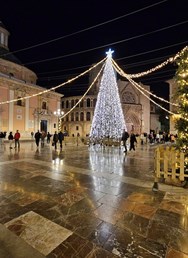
11	138
39	137
151	138
58	137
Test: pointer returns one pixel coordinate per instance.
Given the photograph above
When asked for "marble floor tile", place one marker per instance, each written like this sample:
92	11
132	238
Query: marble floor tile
125	243
144	210
175	254
108	214
40	233
174	206
88	202
12	246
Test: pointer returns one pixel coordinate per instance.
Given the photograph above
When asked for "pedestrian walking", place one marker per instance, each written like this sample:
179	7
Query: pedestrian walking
43	136
37	138
1	138
132	141
61	139
124	138
55	140
48	137
17	139
10	138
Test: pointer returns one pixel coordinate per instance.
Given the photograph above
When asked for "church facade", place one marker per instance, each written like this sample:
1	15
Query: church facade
136	109
22	107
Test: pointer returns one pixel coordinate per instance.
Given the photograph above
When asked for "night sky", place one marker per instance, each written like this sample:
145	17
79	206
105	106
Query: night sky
62	38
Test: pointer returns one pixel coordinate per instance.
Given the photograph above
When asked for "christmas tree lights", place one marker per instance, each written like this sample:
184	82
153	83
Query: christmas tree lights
108	120
181	123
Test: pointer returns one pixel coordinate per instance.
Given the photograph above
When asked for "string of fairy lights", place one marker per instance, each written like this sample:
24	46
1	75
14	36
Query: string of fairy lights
129	77
141	89
169	60
137	86
123	74
54	88
84	93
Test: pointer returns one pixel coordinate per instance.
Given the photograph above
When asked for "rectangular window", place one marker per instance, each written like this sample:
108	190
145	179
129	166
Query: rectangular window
77	128
43	105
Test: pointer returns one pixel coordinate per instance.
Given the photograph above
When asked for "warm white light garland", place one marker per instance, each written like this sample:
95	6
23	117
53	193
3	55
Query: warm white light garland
169	60
122	73
56	87
84	93
137	86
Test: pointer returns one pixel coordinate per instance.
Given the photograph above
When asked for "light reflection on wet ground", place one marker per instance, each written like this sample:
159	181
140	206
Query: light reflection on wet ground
98	199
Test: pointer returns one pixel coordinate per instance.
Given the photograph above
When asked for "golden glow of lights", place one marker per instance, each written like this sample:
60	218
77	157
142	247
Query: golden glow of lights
56	87
169	60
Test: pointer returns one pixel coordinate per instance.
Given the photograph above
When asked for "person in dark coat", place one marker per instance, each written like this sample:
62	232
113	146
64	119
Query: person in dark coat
55	140
37	138
124	138
48	137
132	141
60	138
10	138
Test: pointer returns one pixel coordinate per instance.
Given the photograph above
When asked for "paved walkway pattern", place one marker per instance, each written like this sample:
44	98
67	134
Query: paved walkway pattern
88	202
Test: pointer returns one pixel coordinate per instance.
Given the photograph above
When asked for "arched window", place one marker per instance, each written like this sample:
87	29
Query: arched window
76	101
82	116
128	97
88	102
72	116
67	104
81	103
88	116
72	103
77	116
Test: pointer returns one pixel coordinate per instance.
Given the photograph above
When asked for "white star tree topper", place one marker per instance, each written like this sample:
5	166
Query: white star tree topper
108	120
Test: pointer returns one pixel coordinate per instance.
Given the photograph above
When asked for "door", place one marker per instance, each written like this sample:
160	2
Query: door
43	125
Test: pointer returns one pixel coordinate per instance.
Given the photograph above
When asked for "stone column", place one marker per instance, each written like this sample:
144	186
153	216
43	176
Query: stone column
11	111
26	115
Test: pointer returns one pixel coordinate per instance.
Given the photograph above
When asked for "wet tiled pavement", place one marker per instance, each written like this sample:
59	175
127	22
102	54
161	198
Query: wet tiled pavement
88	202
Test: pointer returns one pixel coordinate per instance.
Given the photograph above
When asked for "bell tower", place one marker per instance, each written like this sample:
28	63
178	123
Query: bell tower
4	34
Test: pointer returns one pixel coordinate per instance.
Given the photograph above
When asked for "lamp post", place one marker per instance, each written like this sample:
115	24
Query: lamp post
59	113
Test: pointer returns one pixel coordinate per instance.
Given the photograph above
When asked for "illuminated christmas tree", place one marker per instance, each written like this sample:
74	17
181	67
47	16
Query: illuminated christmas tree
108	120
181	123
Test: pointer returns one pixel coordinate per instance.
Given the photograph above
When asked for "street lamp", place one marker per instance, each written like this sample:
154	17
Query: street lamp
59	113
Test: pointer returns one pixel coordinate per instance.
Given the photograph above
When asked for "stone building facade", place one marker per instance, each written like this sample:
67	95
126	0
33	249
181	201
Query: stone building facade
17	82
136	109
